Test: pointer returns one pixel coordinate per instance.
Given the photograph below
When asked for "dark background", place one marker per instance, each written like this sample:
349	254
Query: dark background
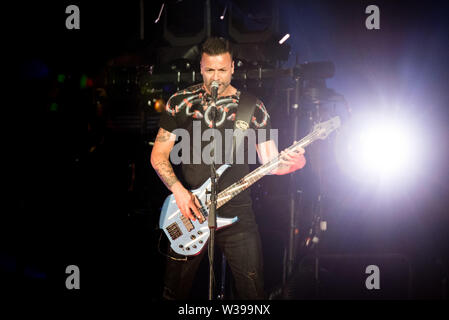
66	206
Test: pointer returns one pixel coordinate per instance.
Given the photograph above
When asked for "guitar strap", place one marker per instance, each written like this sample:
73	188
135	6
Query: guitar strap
245	111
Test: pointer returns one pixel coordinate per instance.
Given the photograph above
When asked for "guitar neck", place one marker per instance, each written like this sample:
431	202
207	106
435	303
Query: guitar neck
248	180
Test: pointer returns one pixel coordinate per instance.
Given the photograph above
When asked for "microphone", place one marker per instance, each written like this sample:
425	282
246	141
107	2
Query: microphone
214	89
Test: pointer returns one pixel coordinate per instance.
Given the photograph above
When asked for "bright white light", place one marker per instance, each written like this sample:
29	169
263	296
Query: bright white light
284	38
160	13
379	148
224	12
384	148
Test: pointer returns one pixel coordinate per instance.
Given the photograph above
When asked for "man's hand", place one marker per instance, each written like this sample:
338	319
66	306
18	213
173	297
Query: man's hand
187	202
291	160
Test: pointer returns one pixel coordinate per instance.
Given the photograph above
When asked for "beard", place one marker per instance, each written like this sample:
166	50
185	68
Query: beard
223	86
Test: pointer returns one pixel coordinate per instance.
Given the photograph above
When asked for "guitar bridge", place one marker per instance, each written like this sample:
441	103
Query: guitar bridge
174	231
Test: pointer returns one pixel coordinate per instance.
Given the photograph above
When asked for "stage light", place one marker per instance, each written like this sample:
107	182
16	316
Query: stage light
54	107
384	148
284	38
61	78
160	13
378	149
224	12
159	105
85	82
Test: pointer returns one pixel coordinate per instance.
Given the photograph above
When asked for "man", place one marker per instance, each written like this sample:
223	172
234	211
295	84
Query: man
241	241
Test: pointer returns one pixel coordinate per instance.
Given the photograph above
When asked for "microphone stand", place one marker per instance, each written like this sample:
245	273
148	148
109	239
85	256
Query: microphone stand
212	219
294	191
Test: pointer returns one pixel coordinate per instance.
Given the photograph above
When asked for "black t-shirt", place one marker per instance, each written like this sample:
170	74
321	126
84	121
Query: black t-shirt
188	109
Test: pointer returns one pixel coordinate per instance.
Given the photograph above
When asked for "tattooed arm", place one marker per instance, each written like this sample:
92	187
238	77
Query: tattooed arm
160	155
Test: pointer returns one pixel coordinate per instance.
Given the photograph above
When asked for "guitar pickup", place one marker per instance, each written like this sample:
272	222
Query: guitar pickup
187	223
174	231
203	212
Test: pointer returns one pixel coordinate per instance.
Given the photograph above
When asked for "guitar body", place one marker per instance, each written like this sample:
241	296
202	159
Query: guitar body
189	237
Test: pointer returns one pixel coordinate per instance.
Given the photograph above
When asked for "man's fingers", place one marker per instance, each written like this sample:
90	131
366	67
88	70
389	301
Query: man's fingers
201	218
190	209
291	157
187	213
292	154
288	163
195	210
287	158
295	151
197	202
198	205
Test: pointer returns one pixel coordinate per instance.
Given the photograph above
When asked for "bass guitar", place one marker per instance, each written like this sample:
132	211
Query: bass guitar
189	237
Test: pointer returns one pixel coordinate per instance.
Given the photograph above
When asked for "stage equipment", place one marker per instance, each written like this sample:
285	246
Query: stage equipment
213	196
265	14
178	12
312	102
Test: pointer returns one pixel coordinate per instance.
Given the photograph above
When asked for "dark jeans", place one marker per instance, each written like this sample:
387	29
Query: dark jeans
242	248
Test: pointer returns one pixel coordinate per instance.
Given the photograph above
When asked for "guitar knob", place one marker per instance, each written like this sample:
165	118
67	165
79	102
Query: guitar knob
192	237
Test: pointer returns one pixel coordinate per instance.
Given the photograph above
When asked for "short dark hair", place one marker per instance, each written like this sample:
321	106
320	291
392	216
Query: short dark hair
214	46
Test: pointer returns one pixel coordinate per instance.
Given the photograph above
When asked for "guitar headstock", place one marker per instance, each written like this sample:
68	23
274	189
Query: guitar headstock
323	129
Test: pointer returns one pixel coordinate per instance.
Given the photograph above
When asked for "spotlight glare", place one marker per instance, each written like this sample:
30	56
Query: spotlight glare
159	105
379	149
160	13
384	149
284	38
224	12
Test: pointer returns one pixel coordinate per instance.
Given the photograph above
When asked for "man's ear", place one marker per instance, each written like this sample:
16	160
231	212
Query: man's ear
232	67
